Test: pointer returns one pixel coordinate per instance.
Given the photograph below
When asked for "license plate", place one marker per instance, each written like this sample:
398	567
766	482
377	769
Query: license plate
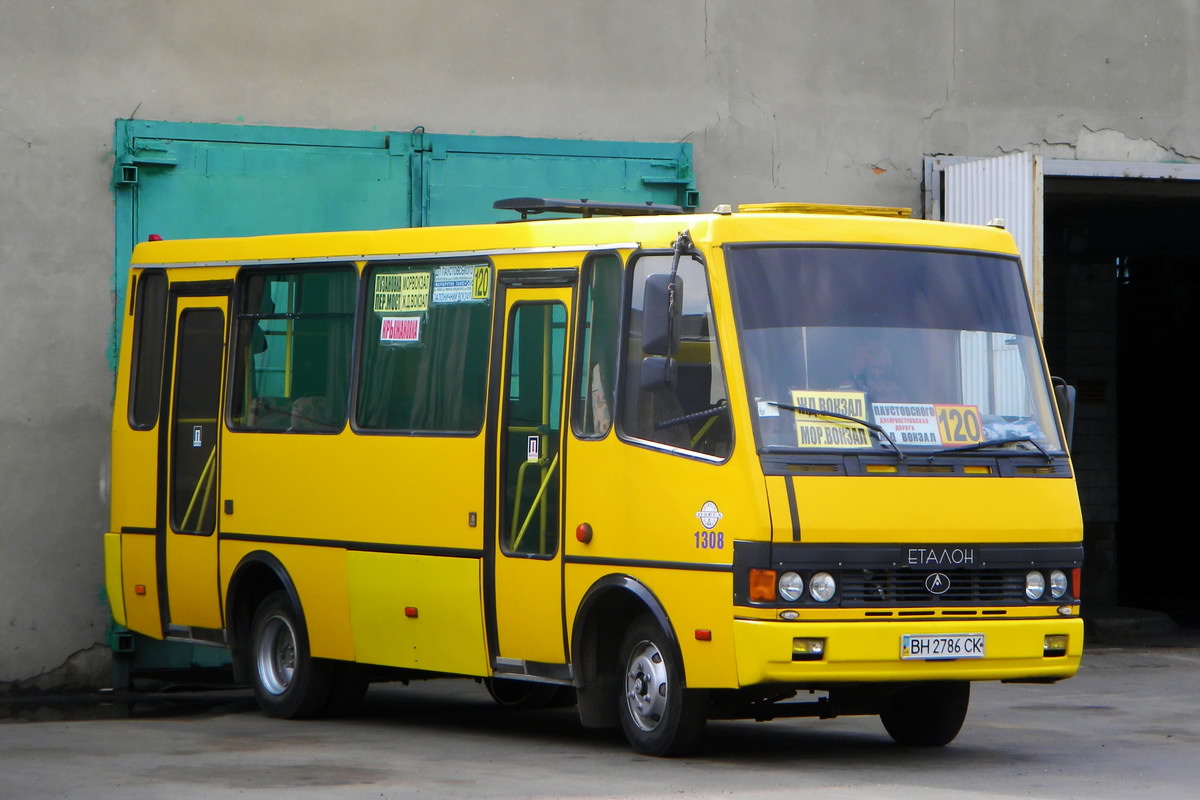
931	647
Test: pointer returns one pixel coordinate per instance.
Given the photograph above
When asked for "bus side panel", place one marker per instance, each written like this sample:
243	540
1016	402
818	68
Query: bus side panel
133	505
662	515
137	554
112	576
394	491
319	576
423	612
693	601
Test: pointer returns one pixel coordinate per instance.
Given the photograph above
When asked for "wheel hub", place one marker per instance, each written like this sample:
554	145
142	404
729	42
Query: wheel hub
646	686
276	655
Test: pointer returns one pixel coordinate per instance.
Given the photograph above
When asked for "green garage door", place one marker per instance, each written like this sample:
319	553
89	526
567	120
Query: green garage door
184	180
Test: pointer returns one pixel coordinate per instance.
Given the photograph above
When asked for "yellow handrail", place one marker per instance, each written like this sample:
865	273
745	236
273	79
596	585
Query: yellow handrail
534	507
206	479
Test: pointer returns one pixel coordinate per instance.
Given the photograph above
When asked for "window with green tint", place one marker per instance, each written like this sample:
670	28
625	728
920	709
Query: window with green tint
292	360
599	338
530	444
678	400
424	347
149	327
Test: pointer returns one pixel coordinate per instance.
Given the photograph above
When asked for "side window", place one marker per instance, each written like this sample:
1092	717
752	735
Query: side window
149	326
679	398
292	363
599	339
425	337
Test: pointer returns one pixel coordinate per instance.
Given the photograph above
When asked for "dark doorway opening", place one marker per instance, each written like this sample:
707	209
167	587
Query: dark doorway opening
1122	279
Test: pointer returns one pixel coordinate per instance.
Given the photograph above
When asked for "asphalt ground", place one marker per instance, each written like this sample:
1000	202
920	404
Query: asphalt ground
1126	725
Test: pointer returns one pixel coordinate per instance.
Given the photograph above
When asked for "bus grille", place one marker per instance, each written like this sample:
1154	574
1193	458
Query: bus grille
906	587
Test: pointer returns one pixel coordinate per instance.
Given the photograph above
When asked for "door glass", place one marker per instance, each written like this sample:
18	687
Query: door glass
532	418
194	421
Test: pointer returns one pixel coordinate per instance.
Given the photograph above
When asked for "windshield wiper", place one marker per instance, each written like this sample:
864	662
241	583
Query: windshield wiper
997	443
881	434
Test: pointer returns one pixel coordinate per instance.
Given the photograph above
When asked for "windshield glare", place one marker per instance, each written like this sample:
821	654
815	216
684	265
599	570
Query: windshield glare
937	348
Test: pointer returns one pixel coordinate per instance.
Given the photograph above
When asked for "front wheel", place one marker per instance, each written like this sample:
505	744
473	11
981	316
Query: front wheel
927	714
288	681
660	716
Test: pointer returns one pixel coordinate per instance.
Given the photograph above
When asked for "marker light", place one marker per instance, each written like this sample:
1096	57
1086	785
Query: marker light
822	587
791	586
1058	583
1035	585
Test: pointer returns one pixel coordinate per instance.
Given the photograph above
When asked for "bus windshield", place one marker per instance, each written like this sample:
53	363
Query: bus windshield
936	348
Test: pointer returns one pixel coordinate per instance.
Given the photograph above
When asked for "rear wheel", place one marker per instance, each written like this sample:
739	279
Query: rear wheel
288	681
927	714
660	716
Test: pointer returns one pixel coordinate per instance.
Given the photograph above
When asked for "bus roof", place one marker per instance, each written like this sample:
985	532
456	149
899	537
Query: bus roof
758	224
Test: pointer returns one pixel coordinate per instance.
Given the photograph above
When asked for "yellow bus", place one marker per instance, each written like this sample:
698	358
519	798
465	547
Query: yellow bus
773	461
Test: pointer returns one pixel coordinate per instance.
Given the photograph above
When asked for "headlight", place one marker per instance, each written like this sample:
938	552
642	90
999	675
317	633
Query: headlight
1058	583
791	586
821	586
1035	585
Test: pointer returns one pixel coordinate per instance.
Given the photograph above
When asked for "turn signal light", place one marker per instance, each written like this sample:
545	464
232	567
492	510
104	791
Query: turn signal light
762	585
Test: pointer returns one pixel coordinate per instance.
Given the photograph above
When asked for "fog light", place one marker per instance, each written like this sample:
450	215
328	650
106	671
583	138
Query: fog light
791	586
1035	585
822	587
808	649
1055	645
1058	583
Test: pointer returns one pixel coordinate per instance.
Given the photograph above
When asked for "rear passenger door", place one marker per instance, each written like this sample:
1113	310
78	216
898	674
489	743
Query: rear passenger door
192	442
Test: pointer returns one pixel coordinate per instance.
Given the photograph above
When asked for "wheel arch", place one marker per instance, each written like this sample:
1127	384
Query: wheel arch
256	575
604	614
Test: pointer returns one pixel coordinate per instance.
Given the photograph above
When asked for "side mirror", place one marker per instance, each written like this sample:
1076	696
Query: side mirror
662	314
1064	394
658	372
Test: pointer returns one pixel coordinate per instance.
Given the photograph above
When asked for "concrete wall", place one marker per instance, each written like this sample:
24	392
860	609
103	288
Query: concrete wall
831	101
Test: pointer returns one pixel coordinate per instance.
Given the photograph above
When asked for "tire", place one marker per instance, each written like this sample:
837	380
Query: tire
927	714
288	682
659	714
516	694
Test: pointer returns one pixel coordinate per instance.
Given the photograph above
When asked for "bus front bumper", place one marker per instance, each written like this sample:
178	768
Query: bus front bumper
1013	649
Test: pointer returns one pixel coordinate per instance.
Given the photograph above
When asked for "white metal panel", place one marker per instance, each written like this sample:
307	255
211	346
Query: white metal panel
1007	187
